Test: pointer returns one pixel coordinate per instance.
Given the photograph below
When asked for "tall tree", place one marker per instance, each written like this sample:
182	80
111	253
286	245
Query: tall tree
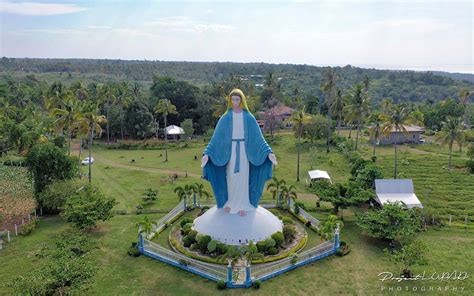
299	118
395	120
357	108
67	117
338	108
329	87
274	187
450	132
107	97
91	120
164	107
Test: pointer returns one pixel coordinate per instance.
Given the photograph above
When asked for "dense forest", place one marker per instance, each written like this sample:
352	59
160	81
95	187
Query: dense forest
400	86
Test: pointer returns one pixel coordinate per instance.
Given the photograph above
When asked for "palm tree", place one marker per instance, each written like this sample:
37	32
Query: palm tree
288	193
91	120
328	227
375	130
145	226
107	97
450	132
299	118
124	98
357	108
67	117
329	88
184	192
165	108
199	190
338	107
274	187
396	118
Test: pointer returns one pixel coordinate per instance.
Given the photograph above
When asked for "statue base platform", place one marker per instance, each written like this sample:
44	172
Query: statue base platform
233	229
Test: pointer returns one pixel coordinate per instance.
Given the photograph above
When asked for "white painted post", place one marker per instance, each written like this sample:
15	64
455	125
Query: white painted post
433	219
1	242
41	211
8	235
465	222
16	230
22	221
29	217
35	214
450	217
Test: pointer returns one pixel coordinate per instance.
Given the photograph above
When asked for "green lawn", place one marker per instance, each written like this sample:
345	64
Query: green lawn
443	191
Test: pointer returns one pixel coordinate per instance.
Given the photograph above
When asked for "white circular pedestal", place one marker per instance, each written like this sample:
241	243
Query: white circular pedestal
232	229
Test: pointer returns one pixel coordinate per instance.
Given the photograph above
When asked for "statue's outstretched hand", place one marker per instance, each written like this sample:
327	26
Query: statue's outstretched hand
204	160
273	158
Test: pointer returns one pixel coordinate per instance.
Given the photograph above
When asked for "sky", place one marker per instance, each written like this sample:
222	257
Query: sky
415	35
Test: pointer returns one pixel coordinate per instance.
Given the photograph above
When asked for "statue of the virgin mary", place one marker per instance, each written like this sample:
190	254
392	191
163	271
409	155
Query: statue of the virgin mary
237	162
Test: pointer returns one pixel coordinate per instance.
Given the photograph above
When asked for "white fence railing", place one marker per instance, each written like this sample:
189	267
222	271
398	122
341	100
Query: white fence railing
160	224
315	222
264	270
218	272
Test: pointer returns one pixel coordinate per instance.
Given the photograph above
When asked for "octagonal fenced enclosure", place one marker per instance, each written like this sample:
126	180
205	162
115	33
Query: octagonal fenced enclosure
241	275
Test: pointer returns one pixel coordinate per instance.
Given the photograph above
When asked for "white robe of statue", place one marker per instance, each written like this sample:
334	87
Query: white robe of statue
238	183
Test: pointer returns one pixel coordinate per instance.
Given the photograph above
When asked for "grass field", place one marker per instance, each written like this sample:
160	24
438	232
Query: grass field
443	191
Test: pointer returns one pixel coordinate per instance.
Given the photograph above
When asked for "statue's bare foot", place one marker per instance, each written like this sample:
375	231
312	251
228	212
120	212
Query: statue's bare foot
242	213
227	209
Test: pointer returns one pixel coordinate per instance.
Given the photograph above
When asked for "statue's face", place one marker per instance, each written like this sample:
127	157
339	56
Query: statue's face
235	101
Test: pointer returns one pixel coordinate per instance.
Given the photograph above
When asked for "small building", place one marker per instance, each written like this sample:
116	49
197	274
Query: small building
411	135
174	131
396	190
278	116
317	175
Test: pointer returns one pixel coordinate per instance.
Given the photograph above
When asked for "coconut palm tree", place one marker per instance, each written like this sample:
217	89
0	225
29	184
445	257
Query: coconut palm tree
124	98
338	108
396	118
329	87
274	187
299	119
164	107
184	192
92	120
450	132
145	226
375	130
67	116
107	97
357	108
199	190
288	193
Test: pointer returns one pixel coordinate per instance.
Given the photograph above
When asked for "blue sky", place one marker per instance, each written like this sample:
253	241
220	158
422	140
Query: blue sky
419	35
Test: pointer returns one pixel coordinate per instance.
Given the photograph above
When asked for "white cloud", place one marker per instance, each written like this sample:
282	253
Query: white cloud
38	9
183	23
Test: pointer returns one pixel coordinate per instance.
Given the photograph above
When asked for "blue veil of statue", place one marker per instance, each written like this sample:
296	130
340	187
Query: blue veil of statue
219	151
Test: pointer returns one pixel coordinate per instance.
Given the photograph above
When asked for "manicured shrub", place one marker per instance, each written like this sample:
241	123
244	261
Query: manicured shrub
339	252
278	238
261	246
202	242
221	248
256	285
289	232
185	221
272	251
186	228
187	241
287	220
269	242
211	246
133	250
221	285
193	234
